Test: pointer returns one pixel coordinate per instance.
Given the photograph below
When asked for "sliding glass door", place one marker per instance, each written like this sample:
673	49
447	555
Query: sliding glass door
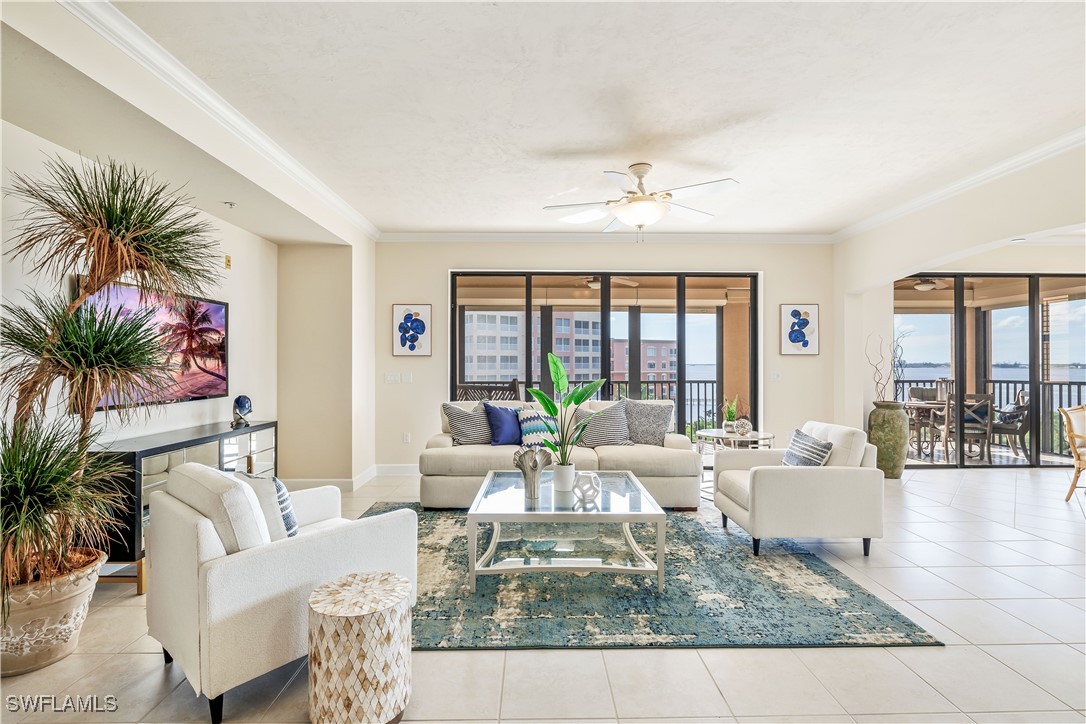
683	337
986	362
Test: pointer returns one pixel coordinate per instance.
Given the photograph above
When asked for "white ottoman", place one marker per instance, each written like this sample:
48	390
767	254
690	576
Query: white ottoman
360	649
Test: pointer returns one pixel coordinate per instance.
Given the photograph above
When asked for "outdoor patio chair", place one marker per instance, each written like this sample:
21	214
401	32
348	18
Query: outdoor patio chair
1074	419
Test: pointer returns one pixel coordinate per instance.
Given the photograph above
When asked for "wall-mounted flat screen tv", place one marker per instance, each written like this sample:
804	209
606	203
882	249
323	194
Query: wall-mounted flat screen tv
194	332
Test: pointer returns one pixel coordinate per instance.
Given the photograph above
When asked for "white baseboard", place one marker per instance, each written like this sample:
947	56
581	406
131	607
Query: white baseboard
365	476
398	469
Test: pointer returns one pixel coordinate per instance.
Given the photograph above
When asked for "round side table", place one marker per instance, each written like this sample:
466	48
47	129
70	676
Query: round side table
360	649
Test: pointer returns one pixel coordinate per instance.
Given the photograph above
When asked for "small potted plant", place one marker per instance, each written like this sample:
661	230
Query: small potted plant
105	222
731	413
565	429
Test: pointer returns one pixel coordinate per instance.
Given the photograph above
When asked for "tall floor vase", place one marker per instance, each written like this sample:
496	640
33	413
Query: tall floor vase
888	430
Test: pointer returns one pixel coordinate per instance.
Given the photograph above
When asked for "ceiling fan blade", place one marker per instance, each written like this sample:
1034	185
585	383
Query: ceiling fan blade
615	225
688	214
620	179
626	281
583	217
709	187
562	207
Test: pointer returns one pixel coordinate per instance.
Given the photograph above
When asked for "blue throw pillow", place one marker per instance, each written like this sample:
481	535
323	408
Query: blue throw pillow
1012	413
504	425
978	416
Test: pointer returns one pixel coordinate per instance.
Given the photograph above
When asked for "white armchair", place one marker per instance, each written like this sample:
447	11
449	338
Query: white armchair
842	499
227	615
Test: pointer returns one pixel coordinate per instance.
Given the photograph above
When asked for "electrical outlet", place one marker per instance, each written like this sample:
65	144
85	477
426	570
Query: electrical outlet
226	264
407	437
392	378
776	376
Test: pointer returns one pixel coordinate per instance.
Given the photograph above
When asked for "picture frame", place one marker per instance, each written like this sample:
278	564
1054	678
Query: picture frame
411	330
801	329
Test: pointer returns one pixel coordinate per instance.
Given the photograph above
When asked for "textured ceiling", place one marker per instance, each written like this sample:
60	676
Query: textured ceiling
82	116
470	117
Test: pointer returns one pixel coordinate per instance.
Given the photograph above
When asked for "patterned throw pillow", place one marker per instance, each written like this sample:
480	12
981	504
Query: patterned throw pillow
275	504
468	427
606	427
807	451
1012	413
533	431
648	421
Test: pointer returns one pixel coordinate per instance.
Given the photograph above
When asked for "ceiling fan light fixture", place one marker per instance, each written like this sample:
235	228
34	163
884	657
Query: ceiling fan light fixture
924	285
593	283
640	211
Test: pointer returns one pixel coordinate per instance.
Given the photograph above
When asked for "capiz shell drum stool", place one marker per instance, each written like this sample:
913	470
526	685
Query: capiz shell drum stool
360	649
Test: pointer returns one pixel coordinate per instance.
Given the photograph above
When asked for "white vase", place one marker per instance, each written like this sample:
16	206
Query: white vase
564	475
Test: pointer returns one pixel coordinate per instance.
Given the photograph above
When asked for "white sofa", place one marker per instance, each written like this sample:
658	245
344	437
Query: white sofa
228	617
452	474
842	499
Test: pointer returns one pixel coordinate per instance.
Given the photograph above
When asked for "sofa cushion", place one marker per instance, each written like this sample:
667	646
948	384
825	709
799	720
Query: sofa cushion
230	504
468	427
599	405
469	405
275	504
735	484
606	427
504	425
533	429
650	461
807	451
649	420
848	442
478	460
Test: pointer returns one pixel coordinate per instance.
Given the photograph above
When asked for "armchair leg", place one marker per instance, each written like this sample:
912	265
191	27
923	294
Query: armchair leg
723	520
167	656
1074	484
867	546
757	543
216	709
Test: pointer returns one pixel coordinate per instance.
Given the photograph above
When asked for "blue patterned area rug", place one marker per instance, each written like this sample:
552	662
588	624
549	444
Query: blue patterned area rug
717	593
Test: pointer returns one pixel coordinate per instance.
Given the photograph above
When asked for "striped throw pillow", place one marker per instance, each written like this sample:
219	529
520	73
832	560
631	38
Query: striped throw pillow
275	504
533	431
807	451
468	427
606	427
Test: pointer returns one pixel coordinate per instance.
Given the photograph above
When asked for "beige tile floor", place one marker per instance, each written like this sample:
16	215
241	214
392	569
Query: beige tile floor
992	562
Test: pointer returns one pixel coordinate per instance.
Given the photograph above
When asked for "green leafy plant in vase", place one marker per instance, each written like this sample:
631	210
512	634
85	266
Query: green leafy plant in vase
102	223
566	429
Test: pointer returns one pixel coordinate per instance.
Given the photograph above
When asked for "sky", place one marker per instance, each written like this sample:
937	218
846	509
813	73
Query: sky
700	332
929	335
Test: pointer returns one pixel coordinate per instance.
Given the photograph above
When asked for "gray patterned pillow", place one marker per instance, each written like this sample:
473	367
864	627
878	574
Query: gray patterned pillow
648	421
606	427
467	427
807	451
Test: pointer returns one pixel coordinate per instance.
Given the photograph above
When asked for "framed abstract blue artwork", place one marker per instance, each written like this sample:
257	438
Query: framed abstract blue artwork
800	329
411	330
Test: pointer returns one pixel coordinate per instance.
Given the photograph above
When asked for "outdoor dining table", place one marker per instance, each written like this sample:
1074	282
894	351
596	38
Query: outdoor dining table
921	412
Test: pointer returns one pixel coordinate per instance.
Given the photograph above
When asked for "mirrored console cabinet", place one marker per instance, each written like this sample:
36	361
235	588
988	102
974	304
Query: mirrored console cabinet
148	460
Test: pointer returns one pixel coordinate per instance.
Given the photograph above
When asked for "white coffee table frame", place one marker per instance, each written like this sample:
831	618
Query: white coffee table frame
650	512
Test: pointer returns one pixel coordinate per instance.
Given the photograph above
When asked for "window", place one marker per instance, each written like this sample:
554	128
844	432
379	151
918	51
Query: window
596	346
580	345
580	326
486	341
650	351
509	363
509	343
650	365
651	378
486	321
596	328
561	325
561	344
581	361
510	323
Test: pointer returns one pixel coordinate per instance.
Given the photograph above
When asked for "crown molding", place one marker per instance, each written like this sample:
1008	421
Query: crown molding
1056	146
118	29
594	237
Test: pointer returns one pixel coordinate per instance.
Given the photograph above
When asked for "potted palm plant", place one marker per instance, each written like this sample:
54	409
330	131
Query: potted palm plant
566	429
105	222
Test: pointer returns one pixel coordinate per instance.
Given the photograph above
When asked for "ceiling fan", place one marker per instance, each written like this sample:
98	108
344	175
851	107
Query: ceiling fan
593	282
640	208
924	284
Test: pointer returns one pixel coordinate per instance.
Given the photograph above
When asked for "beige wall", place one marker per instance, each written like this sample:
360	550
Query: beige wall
413	273
315	363
249	287
967	232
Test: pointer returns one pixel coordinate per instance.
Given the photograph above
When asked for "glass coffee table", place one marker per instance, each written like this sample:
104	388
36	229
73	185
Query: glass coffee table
561	533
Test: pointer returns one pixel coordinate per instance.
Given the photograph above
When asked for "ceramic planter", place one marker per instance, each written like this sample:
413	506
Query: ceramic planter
564	475
888	430
44	619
